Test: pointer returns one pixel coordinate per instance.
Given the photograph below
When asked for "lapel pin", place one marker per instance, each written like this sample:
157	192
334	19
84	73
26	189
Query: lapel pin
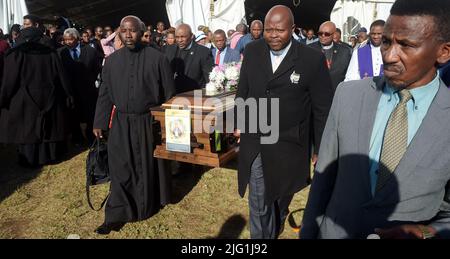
295	78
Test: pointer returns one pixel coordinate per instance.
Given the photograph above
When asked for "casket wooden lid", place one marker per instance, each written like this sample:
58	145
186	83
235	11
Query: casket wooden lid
222	101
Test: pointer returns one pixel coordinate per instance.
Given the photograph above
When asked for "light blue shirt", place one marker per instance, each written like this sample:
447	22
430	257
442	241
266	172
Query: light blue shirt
78	48
281	53
222	56
308	42
417	109
190	46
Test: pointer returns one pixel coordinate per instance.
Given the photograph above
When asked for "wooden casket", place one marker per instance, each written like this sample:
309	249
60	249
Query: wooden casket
193	128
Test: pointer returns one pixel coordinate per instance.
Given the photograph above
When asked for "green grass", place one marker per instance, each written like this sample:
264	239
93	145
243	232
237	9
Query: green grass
51	203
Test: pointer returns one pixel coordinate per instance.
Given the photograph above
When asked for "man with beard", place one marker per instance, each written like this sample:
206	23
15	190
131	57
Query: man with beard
34	99
366	61
135	79
384	165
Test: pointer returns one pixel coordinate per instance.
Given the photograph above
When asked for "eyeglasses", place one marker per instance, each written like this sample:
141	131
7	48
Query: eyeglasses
324	34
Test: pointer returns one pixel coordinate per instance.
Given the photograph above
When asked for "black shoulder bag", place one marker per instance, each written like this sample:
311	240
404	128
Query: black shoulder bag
97	170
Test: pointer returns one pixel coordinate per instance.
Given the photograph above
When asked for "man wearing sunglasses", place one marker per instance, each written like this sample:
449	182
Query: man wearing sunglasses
367	61
338	56
146	38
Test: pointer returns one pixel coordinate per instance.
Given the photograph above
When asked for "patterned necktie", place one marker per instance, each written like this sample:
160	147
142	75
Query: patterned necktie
395	140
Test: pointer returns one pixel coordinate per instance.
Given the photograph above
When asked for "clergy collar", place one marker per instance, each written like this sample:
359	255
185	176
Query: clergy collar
282	51
327	47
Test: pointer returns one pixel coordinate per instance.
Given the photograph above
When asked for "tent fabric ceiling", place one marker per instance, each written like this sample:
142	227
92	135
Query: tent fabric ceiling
99	12
308	14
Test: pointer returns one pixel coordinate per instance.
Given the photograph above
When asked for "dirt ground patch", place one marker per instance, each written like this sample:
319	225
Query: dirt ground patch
50	203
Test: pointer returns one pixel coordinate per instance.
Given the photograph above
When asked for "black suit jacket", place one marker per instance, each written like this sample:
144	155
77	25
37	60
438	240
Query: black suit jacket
82	74
97	45
193	71
1	67
303	104
341	59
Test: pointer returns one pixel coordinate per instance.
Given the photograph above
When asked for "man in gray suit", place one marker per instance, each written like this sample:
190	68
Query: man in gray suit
384	165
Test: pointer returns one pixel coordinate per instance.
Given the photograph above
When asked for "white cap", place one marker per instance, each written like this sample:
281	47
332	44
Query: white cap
199	36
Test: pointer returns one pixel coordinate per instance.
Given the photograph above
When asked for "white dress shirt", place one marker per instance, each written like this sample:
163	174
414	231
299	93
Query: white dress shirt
277	57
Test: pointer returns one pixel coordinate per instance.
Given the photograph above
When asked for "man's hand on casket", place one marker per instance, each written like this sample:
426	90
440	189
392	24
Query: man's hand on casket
98	133
237	134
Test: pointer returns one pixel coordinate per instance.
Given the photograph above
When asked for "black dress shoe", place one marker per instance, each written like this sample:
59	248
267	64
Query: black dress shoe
106	228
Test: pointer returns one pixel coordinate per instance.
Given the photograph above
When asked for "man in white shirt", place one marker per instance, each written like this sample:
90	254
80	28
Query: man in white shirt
222	53
310	37
367	61
279	68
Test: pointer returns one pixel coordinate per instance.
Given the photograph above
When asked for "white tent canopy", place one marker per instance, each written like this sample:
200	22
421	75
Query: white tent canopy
351	15
11	12
219	14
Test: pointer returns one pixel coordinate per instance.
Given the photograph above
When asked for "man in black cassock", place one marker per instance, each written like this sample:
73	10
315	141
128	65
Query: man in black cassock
135	79
1	66
34	98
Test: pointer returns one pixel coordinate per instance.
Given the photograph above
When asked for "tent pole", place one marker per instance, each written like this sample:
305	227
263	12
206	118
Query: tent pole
211	16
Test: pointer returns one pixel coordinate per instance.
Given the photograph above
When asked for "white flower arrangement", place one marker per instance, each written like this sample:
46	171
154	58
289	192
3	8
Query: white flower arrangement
224	78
